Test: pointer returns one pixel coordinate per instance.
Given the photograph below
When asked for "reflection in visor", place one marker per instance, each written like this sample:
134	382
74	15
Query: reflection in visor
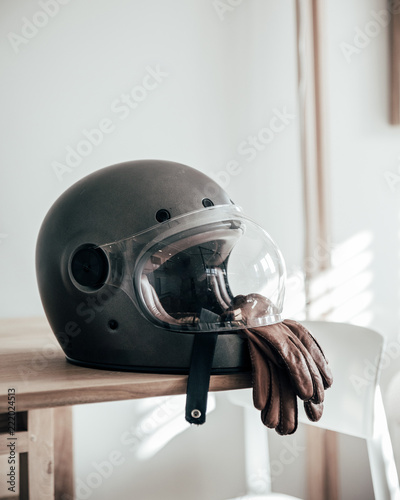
187	285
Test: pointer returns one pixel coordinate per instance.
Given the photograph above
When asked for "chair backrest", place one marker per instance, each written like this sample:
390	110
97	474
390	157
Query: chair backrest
354	355
353	405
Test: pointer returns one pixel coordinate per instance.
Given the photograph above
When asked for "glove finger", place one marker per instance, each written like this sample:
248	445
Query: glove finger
281	412
275	339
261	377
270	415
313	348
318	383
288	411
268	352
319	389
313	411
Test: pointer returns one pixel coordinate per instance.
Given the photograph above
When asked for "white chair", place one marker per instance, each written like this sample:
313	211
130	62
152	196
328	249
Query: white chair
353	406
163	420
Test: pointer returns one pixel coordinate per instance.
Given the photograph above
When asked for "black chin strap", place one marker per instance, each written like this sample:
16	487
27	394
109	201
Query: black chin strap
199	377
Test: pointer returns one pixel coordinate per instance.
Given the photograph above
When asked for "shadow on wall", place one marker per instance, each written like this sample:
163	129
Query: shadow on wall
342	293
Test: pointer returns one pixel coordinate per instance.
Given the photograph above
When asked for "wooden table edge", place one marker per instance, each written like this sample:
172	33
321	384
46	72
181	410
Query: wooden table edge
172	385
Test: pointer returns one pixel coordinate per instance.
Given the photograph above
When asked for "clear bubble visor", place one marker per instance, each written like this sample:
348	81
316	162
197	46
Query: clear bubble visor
187	274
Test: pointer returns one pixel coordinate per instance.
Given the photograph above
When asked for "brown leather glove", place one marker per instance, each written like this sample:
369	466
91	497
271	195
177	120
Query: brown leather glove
313	348
273	394
285	350
287	361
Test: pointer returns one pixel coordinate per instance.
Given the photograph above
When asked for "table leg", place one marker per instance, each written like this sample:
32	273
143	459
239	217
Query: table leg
44	445
40	456
63	453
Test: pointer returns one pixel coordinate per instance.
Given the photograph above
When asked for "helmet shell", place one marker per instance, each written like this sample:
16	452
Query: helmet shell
109	205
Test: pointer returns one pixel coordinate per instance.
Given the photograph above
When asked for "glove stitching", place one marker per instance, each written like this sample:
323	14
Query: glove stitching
270	401
280	354
287	352
253	364
327	382
315	392
308	334
303	352
279	427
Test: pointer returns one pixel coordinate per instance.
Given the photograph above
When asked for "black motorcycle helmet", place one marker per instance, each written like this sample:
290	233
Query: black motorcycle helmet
138	259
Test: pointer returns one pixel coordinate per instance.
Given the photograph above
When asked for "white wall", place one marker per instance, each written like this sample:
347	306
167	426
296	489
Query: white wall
365	211
364	149
225	80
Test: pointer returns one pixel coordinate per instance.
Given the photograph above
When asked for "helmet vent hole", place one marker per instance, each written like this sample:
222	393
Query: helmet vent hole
89	267
162	215
113	324
207	202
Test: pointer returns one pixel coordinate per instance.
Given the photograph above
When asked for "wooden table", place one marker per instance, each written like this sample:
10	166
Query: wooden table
46	387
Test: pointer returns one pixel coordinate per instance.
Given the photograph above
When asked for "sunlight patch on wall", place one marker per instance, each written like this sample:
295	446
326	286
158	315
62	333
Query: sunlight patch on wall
341	293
